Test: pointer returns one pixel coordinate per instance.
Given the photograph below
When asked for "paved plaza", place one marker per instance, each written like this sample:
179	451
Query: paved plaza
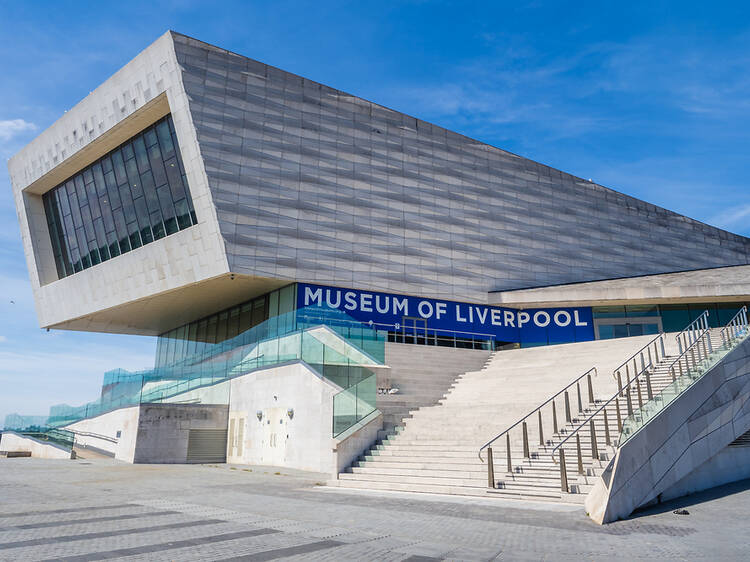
88	510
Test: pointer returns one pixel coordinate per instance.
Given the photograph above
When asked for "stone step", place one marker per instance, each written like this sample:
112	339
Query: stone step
416	480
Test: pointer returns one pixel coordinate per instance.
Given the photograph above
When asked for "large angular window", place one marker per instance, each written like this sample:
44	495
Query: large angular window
132	196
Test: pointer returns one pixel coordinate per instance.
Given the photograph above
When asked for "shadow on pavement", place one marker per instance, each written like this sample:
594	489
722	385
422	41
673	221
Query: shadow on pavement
693	499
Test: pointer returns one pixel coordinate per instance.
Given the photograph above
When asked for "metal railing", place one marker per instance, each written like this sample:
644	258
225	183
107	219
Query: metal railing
693	331
538	412
696	350
735	327
626	390
701	347
656	344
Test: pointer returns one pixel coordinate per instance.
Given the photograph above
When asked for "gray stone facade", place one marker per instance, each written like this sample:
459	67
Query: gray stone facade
314	184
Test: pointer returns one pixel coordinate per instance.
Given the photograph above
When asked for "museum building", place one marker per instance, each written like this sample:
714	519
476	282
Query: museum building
290	244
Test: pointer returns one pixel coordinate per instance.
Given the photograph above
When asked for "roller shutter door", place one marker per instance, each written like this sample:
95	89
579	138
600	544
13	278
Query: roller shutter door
207	445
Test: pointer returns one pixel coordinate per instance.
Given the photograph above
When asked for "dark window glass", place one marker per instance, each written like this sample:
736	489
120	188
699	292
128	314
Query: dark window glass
127	198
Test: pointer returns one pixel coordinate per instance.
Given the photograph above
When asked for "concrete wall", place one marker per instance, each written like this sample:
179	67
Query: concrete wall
350	445
140	93
731	464
688	433
303	441
12	441
164	429
311	183
124	420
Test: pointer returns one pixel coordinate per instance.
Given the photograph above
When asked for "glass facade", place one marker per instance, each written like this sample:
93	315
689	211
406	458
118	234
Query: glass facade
637	320
134	195
200	336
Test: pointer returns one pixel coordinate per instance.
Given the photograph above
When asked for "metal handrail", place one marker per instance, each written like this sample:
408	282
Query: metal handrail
91	434
687	336
704	338
708	348
646	348
732	327
542	405
592	415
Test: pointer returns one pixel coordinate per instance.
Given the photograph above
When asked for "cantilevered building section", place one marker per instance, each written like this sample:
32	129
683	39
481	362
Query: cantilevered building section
283	238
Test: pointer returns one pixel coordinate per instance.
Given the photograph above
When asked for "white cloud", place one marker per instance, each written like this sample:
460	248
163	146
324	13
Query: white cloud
9	128
3	339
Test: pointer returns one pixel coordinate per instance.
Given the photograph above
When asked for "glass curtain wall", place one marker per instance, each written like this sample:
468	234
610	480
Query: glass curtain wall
636	320
134	195
201	336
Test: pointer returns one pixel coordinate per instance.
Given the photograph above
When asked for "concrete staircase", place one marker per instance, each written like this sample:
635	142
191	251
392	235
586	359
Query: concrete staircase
435	450
423	375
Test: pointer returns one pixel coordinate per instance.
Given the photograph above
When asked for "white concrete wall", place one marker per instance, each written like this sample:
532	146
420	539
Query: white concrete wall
303	441
12	441
731	464
689	432
184	258
124	420
349	446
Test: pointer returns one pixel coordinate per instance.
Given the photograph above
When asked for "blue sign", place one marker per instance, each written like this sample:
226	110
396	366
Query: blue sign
406	313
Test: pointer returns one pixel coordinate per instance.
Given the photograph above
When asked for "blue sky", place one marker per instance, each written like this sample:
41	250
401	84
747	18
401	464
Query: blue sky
651	99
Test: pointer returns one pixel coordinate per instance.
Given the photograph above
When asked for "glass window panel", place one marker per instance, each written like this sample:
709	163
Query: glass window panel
113	205
134	178
127	151
674	318
183	214
140	155
620	330
150	137
636	329
609	311
165	140
157	165
633	311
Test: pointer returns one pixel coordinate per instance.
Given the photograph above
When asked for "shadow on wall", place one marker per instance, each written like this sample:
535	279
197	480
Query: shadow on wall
692	500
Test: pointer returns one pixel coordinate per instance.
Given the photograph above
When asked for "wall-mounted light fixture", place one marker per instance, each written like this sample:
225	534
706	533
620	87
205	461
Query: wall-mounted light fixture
259	413
290	413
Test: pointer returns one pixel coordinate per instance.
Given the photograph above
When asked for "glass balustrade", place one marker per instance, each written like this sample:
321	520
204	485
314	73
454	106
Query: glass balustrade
337	347
684	378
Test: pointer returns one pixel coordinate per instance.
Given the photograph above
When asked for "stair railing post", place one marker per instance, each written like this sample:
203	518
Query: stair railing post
580	402
580	456
619	382
648	386
710	345
541	429
643	362
567	407
638	388
671	371
507	453
591	389
490	469
650	360
525	441
661	343
607	440
594	444
630	403
619	417
563	472
554	418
